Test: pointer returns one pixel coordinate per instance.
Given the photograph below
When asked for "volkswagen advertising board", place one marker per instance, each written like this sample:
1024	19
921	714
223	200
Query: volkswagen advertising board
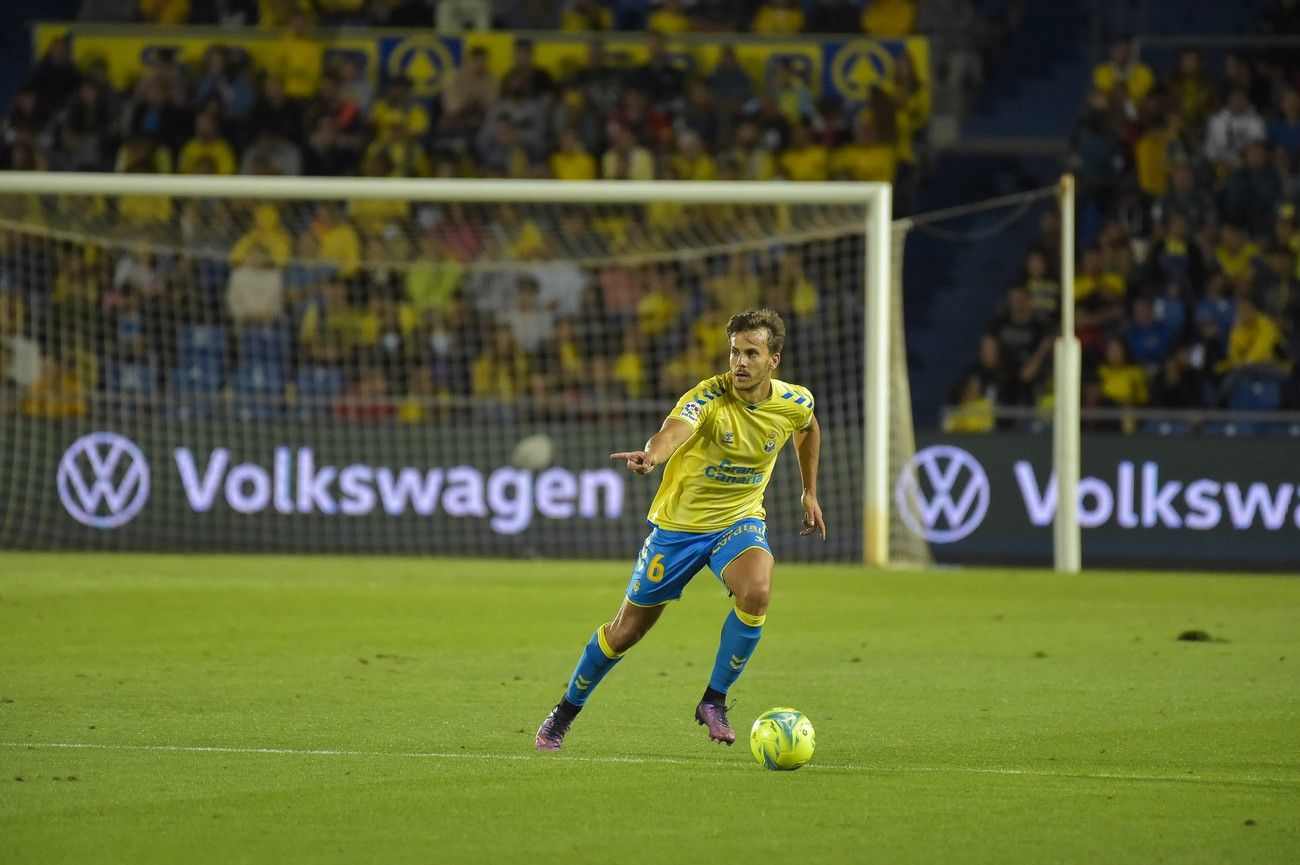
1142	500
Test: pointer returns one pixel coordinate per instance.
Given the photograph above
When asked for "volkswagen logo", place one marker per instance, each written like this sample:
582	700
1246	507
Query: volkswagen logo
103	480
942	494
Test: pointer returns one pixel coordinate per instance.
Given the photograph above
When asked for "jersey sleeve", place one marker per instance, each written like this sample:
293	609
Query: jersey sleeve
803	400
698	403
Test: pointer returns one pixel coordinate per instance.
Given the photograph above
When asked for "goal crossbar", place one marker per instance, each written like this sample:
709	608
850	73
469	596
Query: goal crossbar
449	189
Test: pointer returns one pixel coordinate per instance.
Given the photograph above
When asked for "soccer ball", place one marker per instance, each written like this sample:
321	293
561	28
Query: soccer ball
782	739
534	453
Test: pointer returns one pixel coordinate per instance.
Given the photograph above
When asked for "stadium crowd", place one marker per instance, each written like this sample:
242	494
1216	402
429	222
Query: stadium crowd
380	299
1188	279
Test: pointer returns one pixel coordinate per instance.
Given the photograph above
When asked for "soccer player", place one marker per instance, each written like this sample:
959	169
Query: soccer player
718	448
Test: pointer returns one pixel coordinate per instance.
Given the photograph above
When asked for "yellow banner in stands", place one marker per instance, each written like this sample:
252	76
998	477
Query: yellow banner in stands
843	68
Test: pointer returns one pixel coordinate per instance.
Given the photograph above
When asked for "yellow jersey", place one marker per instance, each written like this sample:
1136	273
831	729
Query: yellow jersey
719	474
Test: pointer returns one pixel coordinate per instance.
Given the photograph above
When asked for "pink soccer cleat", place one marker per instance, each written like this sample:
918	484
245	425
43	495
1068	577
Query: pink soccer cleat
714	716
550	736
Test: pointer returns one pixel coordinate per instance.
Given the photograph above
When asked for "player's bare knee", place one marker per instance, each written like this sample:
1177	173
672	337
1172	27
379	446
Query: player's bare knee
753	597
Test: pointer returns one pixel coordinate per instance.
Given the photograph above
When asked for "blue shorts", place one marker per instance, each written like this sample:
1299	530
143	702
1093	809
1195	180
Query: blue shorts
669	559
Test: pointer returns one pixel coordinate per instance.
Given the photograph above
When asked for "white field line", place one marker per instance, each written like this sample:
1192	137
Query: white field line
573	758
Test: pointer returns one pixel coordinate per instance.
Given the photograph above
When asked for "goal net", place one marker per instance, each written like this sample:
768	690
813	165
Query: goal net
407	367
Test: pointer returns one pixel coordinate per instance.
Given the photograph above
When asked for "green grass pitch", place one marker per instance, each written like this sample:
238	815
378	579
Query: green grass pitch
308	710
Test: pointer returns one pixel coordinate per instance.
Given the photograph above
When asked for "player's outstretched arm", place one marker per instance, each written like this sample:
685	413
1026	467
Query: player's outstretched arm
672	435
808	445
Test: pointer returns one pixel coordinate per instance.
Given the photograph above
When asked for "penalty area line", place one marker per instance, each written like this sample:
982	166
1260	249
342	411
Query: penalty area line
671	761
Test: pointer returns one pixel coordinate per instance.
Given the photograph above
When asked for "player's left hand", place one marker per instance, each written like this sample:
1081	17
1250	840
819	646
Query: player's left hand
812	516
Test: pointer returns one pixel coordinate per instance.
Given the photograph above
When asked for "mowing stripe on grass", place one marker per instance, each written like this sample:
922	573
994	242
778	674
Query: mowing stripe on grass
569	758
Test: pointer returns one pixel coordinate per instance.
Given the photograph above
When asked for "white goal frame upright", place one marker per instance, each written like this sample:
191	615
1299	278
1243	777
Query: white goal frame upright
876	198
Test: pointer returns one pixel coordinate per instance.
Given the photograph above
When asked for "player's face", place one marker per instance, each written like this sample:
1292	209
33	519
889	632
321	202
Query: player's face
752	363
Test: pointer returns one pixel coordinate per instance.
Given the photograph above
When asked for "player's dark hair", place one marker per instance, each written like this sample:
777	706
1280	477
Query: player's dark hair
760	319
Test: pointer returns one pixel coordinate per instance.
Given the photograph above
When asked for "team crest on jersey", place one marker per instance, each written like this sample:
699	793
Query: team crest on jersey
728	438
771	442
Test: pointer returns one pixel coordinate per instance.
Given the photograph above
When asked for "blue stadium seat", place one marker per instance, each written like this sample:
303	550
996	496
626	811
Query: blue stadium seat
263	344
259	390
1255	393
317	388
193	388
199	342
132	383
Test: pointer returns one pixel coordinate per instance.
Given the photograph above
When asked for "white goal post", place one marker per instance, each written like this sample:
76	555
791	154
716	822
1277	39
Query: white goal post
874	199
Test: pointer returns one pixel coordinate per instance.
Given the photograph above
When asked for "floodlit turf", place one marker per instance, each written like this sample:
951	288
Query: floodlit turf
301	709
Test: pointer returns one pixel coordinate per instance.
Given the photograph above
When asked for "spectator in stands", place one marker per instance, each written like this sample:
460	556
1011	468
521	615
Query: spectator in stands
956	34
1239	74
804	159
157	116
1185	198
1123	71
1253	191
1156	151
223	79
728	81
1095	276
1044	290
1024	343
337	242
84	129
225	13
1174	259
777	18
329	102
626	159
164	11
501	371
692	161
266	236
833	16
1146	341
702	116
1123	383
255	292
1098	153
720	16
586	16
354	86
399	108
1215	306
271	154
1255	343
164	72
661	77
793	98
55	76
275	113
468	97
669	19
973	410
1191	90
327	153
1232	129
1236	257
866	156
571	161
298	60
1279	290
997	379
525	78
889	19
433	279
748	158
207	146
1284	131
501	153
527	114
